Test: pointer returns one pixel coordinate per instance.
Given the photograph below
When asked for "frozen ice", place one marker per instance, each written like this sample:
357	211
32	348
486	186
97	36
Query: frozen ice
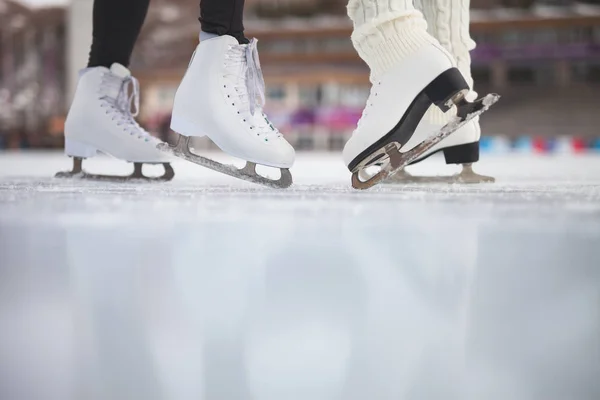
211	288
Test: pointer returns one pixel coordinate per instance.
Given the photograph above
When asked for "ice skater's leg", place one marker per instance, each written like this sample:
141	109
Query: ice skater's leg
387	33
222	96
449	21
410	72
117	24
223	17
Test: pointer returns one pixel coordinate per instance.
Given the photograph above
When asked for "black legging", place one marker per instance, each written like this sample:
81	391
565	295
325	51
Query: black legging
223	17
117	24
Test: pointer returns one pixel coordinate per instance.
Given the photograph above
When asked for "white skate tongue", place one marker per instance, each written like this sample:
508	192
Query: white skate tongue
114	85
255	82
120	71
126	92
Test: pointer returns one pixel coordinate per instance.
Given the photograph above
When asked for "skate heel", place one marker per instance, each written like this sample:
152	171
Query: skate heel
447	89
184	127
74	148
462	154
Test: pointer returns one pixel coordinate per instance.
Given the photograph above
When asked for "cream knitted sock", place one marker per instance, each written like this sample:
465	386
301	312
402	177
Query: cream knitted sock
386	32
448	21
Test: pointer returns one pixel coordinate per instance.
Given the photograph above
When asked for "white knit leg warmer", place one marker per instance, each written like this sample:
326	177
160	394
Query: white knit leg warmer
386	32
448	21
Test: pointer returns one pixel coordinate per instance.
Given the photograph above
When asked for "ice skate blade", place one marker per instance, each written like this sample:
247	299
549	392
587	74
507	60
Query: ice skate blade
248	173
78	173
466	177
393	160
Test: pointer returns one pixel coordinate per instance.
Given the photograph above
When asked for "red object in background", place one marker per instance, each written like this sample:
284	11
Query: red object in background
56	126
578	145
539	145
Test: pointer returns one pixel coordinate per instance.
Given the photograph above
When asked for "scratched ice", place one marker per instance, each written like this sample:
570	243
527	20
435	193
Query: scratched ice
213	289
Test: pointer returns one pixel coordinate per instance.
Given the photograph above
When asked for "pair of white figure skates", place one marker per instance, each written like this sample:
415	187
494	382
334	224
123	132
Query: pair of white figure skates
222	96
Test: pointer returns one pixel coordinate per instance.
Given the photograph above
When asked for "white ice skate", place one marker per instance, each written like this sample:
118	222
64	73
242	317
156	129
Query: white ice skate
221	96
396	107
451	29
100	119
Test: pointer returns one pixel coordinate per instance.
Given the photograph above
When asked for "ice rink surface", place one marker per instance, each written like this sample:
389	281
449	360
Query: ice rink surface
210	288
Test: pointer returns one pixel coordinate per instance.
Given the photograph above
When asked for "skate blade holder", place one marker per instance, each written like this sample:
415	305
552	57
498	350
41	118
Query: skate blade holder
137	175
458	98
182	149
392	160
387	159
467	176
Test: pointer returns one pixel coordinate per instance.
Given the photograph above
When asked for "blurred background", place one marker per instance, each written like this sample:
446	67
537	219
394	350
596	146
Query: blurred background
213	289
543	56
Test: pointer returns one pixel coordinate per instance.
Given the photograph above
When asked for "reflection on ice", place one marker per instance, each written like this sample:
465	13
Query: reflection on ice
190	312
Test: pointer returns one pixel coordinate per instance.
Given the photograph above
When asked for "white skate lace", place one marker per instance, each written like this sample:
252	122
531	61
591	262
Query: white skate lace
244	67
125	106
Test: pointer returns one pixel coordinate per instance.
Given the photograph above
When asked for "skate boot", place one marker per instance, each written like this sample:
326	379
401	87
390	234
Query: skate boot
100	119
451	29
410	72
222	97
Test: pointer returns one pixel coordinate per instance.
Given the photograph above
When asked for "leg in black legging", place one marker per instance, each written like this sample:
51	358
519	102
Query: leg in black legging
223	17
117	24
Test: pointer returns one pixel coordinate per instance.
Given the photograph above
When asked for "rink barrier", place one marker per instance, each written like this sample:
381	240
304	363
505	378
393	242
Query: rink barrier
539	145
322	141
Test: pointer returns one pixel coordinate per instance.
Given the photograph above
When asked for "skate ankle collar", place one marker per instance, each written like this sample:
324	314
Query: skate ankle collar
384	46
